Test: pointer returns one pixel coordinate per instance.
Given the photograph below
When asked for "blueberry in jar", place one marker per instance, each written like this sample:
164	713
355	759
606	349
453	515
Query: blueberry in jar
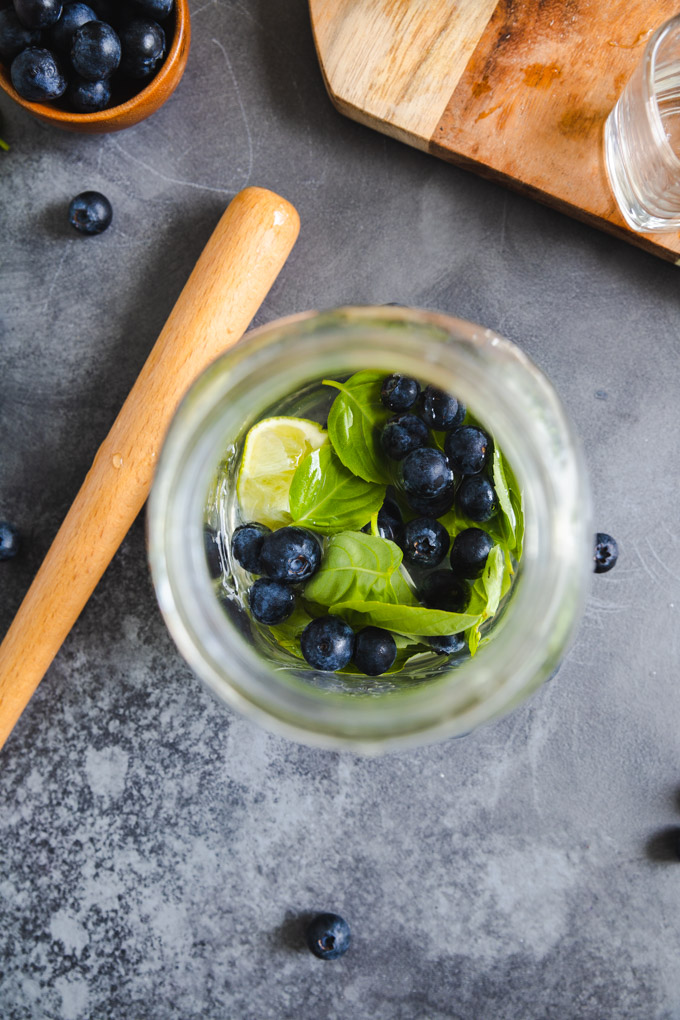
441	411
90	212
389	520
476	498
327	643
72	17
399	392
443	590
36	75
425	542
270	602
448	644
328	936
290	555
212	552
468	448
89	96
246	545
10	540
143	48
15	37
95	50
436	507
606	552
402	434
374	651
38	13
470	551
425	474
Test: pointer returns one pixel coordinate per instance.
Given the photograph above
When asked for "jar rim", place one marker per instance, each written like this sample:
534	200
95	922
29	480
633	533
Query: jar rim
438	348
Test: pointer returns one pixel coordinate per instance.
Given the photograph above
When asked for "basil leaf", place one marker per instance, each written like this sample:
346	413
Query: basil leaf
354	422
506	512
415	620
287	634
517	500
358	568
325	496
486	594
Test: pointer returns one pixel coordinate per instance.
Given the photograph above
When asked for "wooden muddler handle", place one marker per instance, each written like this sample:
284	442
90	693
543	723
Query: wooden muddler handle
230	280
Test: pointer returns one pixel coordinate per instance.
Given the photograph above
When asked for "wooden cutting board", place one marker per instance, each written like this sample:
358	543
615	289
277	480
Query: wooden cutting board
516	90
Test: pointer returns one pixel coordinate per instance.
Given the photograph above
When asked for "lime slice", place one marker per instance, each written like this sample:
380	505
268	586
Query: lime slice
272	451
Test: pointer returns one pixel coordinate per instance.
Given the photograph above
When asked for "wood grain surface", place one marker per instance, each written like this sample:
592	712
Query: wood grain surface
228	284
516	90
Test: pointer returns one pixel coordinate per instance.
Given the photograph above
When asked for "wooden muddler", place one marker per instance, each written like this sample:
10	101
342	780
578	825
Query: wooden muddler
228	284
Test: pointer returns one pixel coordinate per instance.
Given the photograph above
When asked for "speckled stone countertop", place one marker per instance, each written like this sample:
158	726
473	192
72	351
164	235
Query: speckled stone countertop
157	852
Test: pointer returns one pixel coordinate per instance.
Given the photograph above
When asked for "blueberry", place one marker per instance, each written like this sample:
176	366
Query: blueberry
606	552
399	392
212	552
157	9
425	542
328	936
469	552
38	13
270	602
90	212
440	410
15	37
143	46
443	590
436	507
389	521
290	555
246	545
468	449
327	643
95	51
476	498
448	644
89	96
73	16
402	434
36	75
425	474
10	540
374	651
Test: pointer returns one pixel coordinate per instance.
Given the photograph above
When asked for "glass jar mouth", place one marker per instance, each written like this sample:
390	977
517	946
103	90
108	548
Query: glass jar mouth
507	392
650	62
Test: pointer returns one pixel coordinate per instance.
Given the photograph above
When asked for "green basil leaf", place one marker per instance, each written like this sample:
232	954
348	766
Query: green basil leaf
325	496
486	594
517	500
354	422
359	568
506	512
287	634
415	620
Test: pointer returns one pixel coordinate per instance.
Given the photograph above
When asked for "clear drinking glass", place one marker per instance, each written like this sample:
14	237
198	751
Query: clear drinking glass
273	368
642	137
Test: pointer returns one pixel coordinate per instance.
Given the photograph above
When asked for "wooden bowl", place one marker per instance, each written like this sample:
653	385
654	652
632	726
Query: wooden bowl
142	105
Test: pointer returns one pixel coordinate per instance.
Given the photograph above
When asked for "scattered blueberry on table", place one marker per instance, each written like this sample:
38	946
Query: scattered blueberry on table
10	540
606	553
328	936
54	50
90	212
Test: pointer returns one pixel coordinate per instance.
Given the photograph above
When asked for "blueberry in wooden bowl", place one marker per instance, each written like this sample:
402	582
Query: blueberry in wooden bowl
114	86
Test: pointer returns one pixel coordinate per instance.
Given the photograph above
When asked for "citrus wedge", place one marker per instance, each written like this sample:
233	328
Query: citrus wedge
271	453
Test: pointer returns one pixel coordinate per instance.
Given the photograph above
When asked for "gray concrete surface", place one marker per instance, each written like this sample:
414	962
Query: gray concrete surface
157	852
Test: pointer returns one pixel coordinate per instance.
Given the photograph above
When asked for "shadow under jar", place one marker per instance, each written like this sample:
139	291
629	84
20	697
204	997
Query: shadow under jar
277	370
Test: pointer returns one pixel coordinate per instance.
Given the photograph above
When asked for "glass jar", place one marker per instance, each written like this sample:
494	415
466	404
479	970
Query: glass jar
434	698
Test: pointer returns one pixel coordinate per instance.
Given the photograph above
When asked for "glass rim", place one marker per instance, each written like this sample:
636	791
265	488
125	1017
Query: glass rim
430	700
649	64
